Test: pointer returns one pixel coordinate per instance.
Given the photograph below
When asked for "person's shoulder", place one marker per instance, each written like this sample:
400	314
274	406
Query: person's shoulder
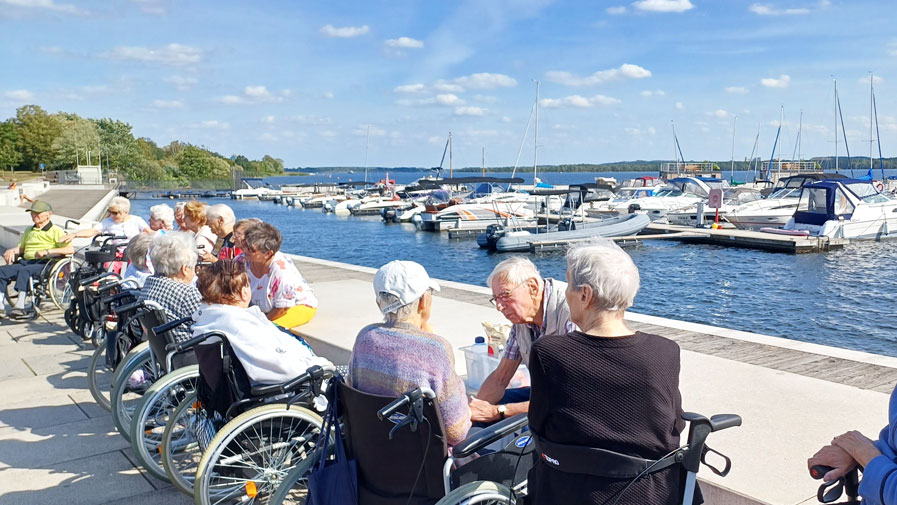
658	343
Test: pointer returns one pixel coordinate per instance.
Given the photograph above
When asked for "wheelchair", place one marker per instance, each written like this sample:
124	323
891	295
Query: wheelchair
420	469
830	492
95	268
48	285
230	442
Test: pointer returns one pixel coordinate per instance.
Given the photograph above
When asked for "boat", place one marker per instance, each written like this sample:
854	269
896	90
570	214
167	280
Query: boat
617	226
851	209
732	199
678	193
779	204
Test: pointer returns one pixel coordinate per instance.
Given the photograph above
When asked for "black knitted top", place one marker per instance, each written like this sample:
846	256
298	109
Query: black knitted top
620	394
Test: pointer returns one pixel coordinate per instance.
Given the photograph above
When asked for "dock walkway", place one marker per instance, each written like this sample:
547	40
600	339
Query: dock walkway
57	445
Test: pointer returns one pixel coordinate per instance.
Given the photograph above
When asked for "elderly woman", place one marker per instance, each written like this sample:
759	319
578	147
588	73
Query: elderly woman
403	353
174	260
179	215
118	222
268	354
195	221
137	253
161	218
220	219
278	288
605	387
239	234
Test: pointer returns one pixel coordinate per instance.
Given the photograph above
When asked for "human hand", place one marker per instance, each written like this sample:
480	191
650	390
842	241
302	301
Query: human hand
860	448
68	237
482	411
835	457
9	256
207	256
41	254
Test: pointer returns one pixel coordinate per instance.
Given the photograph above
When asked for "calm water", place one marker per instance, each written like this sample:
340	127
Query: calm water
843	298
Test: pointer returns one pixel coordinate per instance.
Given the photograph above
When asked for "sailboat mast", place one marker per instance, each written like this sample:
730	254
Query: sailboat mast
779	151
732	168
536	139
836	125
675	146
800	129
451	167
366	143
871	133
484	161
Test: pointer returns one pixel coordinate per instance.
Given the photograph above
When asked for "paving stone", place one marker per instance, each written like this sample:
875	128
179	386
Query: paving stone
56	363
168	496
49	446
12	367
39	412
46	385
84	400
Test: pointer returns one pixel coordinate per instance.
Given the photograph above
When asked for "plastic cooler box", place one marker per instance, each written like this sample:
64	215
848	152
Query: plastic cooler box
479	366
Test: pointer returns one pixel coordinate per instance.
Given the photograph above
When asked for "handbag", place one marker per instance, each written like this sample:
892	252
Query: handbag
333	481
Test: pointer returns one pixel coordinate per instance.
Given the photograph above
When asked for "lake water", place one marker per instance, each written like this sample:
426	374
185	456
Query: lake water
843	298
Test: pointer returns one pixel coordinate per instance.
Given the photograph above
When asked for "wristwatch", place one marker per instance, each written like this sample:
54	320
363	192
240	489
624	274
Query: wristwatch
502	410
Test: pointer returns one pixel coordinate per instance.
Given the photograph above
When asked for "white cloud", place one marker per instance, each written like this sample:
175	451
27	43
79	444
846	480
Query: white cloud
49	5
770	10
469	111
720	113
328	95
663	5
892	48
172	54
638	131
168	104
19	94
616	11
257	91
345	32
151	7
505	119
626	71
875	79
649	92
737	90
268	119
485	98
255	95
782	82
448	99
312	120
445	87
180	82
214	124
404	43
485	80
364	130
410	88
578	101
680	105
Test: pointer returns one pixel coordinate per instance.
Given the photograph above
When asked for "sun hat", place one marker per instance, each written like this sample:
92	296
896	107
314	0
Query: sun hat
405	280
39	206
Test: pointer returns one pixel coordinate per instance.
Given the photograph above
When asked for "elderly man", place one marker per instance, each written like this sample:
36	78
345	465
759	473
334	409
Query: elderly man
537	307
37	244
403	353
220	219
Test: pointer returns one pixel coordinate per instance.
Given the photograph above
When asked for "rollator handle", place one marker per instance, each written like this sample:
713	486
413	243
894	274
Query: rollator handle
819	471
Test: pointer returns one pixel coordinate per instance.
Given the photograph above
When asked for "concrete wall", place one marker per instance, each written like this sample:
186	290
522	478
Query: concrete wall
12	197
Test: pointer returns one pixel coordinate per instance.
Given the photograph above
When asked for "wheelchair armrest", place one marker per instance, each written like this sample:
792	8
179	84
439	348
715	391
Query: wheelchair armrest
723	421
162	328
191	342
490	434
91	280
118	296
315	373
127	308
109	286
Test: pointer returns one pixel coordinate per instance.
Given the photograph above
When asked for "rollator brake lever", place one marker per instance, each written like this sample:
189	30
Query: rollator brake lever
724	471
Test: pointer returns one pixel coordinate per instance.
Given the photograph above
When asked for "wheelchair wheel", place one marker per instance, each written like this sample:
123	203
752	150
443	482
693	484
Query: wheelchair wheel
250	456
99	378
58	286
180	450
153	413
294	488
484	492
133	377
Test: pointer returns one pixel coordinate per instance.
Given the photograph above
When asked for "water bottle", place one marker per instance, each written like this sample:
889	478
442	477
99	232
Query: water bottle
478	365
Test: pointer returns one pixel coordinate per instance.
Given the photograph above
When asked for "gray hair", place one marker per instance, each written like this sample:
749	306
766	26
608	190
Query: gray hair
515	270
403	313
180	206
608	270
172	251
223	211
263	237
137	250
120	204
163	213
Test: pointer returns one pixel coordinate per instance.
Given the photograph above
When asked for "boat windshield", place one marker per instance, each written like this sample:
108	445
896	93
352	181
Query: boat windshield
669	192
867	192
786	192
738	197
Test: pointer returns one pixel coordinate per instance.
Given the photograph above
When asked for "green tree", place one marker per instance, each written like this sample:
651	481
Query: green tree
78	137
37	131
10	157
196	163
118	143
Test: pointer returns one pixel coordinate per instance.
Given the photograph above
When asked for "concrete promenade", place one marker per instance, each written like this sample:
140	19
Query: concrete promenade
58	446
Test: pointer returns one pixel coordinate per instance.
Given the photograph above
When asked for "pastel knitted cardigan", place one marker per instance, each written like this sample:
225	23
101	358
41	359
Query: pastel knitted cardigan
391	360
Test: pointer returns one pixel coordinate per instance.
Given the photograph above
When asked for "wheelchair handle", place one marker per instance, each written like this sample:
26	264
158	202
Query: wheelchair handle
406	399
162	328
819	471
127	308
109	286
118	296
91	280
177	347
71	221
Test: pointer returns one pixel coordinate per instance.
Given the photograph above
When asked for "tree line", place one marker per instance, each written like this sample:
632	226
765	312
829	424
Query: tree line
61	140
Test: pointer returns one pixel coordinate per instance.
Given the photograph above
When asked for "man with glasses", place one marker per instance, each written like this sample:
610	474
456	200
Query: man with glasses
536	306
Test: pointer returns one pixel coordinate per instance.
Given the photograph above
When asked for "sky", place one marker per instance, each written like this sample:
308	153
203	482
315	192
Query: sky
350	83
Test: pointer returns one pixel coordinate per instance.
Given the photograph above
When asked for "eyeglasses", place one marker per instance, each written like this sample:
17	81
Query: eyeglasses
114	213
501	297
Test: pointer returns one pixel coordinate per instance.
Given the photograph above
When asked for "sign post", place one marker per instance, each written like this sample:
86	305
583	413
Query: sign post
715	201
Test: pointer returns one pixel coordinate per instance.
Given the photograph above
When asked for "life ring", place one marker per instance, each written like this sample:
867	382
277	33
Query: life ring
880	186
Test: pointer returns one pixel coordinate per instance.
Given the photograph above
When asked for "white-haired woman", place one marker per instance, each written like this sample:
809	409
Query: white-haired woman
174	257
606	387
161	218
137	252
179	215
220	219
118	222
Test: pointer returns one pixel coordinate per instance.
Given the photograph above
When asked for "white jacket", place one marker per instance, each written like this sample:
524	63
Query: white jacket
269	355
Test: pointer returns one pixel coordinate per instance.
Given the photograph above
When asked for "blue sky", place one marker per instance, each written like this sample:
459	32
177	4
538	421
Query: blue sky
311	82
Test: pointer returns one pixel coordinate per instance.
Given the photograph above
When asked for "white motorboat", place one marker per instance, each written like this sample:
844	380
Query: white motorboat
732	199
679	193
776	209
847	208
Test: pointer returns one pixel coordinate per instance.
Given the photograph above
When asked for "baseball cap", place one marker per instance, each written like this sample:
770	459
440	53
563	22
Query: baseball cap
39	206
406	280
